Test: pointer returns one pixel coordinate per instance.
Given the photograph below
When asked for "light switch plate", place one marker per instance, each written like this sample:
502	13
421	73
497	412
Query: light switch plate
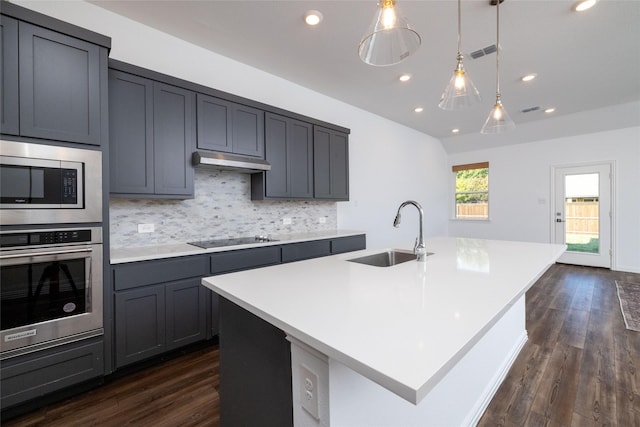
146	228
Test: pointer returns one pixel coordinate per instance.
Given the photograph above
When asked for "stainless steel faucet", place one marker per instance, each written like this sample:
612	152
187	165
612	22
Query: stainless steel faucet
419	248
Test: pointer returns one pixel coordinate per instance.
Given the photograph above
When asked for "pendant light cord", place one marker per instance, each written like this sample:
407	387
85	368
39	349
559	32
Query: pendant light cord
459	27
498	49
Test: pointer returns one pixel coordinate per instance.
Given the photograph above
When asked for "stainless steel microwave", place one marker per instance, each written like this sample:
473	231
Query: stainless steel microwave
45	184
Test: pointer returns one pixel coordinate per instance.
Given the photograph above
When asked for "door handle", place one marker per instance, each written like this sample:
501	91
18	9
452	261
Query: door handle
559	220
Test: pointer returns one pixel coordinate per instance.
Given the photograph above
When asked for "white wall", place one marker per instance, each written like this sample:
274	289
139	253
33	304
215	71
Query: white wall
389	163
520	188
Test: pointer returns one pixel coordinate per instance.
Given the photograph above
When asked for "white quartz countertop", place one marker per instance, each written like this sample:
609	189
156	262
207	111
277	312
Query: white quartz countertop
403	326
145	253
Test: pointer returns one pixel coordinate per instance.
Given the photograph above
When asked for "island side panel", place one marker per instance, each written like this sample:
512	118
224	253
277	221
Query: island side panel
255	370
458	399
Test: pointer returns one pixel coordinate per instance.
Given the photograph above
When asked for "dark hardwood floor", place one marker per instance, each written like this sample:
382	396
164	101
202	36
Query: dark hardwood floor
178	392
578	368
580	364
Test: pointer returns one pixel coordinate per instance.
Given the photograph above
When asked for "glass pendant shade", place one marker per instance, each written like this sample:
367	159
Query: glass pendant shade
498	120
460	92
389	38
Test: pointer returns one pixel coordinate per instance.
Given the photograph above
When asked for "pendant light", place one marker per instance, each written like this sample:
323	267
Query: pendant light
498	120
460	92
389	38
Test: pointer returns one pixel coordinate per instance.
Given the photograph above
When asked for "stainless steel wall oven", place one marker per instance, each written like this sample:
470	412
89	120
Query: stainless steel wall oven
51	288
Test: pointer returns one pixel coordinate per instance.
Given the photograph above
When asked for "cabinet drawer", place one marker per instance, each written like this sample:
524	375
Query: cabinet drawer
348	244
31	376
244	259
305	250
144	273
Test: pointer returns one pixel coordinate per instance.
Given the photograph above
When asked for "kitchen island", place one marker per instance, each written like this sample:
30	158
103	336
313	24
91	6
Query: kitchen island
411	344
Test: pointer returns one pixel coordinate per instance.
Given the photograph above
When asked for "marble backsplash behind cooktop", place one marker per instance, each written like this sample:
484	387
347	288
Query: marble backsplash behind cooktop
222	208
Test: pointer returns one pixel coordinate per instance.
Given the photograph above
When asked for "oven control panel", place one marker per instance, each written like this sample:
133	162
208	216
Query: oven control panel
44	238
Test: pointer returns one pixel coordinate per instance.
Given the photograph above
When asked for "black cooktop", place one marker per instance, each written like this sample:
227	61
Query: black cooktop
206	244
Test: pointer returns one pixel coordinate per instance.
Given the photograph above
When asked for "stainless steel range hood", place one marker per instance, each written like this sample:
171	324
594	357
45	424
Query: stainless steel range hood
230	162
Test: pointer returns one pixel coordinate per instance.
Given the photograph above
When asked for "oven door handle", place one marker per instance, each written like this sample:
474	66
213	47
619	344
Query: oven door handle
37	254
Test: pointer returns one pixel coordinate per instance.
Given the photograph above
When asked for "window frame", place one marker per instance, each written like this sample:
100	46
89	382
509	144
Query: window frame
470	166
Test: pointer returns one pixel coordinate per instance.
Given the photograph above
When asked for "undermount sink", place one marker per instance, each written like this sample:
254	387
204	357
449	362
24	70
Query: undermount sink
387	258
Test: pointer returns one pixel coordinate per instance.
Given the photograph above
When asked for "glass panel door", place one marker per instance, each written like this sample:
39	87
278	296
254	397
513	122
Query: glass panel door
582	213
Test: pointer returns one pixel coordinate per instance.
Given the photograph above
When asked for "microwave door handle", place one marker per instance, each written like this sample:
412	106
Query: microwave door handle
23	255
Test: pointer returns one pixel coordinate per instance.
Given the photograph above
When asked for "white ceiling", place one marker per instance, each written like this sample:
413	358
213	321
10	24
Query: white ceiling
586	61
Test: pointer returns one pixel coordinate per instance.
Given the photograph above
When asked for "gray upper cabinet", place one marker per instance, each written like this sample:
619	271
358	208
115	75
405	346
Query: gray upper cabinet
330	164
10	123
289	150
152	131
131	133
174	130
53	84
229	127
60	84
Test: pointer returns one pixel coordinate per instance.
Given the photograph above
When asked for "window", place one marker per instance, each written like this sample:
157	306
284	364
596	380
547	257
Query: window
472	190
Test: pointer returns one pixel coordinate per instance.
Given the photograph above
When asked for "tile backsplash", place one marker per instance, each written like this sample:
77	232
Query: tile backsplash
222	209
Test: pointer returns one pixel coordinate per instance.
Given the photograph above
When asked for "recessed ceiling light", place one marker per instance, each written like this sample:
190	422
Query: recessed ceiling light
549	110
584	5
405	77
313	17
529	77
456	130
418	109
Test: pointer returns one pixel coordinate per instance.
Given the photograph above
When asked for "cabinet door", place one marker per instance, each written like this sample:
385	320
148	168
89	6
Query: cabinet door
248	131
139	324
9	76
174	139
289	149
277	154
186	312
301	159
214	123
130	133
330	164
46	371
348	244
305	250
59	86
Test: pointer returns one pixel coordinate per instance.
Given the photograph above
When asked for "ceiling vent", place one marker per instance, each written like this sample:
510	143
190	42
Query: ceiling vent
530	109
483	52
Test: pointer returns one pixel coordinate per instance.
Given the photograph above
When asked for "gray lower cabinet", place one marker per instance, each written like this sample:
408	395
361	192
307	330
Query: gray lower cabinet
330	164
186	312
159	306
341	245
37	374
154	319
305	250
244	259
289	150
229	127
140	324
53	85
152	132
